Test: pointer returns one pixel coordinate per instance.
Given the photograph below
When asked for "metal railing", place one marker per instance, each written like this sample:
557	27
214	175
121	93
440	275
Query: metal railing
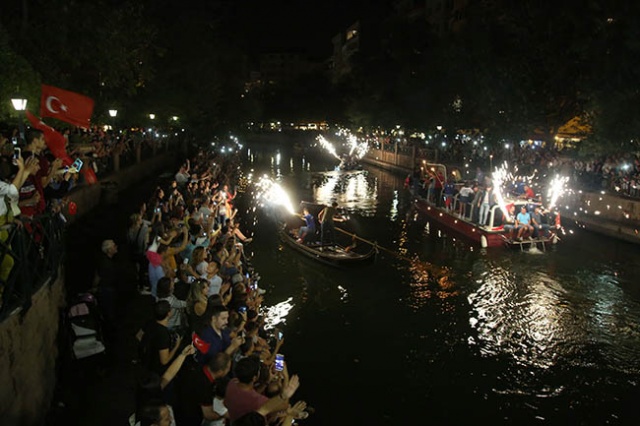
30	255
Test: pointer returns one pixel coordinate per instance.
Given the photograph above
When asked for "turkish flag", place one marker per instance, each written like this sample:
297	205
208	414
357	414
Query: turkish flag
55	141
71	107
56	144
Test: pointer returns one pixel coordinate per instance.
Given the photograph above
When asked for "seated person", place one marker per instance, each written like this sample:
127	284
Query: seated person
528	193
523	223
539	223
309	227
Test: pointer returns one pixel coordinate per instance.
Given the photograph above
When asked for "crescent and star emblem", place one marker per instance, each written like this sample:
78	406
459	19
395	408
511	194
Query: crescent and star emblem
49	105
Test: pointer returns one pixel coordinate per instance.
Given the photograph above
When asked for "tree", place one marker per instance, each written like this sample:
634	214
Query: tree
16	75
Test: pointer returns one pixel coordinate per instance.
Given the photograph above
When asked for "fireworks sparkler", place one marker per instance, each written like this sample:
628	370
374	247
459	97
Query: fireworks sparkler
328	146
270	192
360	148
556	189
499	176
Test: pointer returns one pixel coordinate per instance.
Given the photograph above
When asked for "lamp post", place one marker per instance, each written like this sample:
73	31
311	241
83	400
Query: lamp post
20	104
152	116
113	113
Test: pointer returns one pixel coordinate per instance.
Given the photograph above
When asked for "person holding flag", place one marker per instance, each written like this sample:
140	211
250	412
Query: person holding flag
32	201
56	142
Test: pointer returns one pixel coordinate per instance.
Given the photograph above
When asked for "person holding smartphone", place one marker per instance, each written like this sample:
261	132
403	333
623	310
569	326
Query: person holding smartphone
9	196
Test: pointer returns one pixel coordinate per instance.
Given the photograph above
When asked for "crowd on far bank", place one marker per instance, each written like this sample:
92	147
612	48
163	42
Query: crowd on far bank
206	355
615	172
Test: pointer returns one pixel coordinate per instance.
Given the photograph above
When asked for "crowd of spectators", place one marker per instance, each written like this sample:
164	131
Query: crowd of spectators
32	183
616	172
206	356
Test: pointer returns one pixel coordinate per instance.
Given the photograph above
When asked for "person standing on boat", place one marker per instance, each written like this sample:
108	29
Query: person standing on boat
485	201
509	221
449	193
465	197
327	217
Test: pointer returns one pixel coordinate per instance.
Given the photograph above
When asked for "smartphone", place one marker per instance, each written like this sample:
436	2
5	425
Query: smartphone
279	362
185	261
280	335
242	309
16	153
77	164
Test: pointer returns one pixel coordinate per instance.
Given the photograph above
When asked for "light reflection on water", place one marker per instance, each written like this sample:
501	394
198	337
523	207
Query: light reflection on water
539	320
276	314
354	191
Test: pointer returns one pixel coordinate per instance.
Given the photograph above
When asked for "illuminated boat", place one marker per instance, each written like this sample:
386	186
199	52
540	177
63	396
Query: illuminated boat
491	235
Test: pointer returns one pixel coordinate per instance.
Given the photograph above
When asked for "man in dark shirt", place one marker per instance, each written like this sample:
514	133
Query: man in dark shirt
327	217
539	222
106	281
215	335
195	387
157	345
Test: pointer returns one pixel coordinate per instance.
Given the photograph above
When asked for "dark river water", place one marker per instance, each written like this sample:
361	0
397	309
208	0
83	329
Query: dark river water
441	332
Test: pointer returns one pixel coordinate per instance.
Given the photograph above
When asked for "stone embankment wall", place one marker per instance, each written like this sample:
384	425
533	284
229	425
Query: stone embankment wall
606	214
28	352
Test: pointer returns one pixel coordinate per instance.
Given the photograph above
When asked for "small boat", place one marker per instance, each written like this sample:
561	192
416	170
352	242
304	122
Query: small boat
494	233
329	254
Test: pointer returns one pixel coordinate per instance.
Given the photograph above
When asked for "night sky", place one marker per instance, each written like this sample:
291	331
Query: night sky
305	26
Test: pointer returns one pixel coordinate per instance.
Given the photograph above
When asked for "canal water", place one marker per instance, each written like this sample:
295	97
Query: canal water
438	332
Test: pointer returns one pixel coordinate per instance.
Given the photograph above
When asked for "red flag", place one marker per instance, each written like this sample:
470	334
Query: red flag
71	107
56	144
55	141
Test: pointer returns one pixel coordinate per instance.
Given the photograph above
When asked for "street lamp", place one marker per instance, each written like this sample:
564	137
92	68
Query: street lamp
174	118
152	116
113	113
20	104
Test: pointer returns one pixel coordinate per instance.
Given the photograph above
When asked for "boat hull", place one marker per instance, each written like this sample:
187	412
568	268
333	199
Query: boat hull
463	228
337	255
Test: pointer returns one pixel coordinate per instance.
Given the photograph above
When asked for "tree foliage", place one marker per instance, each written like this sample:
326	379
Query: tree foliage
16	75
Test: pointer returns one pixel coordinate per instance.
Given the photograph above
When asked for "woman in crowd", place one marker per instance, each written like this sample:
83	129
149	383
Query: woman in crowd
197	302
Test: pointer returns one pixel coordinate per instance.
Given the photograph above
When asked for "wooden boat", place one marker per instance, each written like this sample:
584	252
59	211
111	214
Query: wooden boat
338	255
329	254
491	235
